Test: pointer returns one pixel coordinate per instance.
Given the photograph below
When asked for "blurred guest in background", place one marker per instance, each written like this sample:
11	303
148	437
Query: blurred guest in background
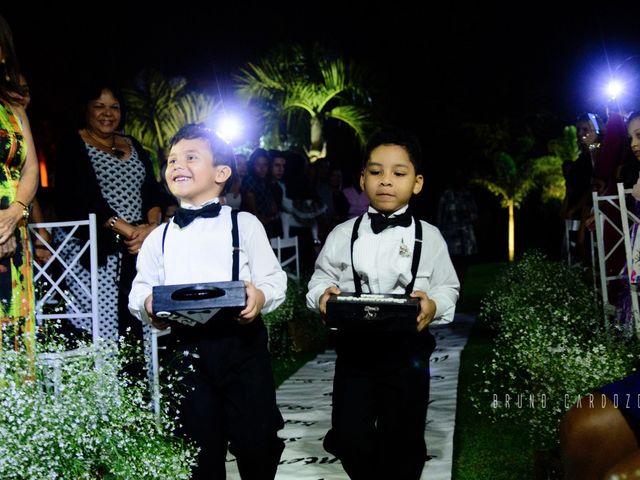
233	196
457	212
257	193
102	171
18	185
358	201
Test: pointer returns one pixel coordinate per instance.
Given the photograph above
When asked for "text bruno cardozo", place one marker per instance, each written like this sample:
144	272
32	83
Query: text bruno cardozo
582	401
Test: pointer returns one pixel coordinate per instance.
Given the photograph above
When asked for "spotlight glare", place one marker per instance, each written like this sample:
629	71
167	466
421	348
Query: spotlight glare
614	89
229	129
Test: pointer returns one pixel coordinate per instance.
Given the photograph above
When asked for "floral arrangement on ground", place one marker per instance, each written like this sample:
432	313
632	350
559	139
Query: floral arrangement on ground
551	347
78	415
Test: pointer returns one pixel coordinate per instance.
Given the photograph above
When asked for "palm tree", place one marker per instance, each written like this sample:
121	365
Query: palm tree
515	174
512	177
293	88
158	107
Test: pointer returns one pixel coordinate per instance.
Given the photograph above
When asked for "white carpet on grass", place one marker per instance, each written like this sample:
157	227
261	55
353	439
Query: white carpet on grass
305	402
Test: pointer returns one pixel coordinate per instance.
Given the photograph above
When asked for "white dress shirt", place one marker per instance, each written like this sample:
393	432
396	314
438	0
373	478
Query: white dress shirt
383	262
202	252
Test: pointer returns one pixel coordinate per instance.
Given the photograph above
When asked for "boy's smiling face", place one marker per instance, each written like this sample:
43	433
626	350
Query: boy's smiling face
191	174
389	178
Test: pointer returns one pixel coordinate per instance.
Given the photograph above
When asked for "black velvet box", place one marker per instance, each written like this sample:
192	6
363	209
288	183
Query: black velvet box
197	303
372	312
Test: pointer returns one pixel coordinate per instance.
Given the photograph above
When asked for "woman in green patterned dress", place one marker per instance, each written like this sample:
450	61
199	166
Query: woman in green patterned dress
18	184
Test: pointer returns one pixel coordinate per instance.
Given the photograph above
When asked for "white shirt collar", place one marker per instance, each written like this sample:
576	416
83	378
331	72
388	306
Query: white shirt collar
397	212
188	206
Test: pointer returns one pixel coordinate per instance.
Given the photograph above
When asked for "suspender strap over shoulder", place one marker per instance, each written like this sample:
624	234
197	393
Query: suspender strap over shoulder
417	251
164	235
354	235
236	246
235	238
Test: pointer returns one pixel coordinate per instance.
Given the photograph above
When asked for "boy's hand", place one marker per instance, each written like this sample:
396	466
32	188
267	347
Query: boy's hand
255	302
427	309
322	303
156	322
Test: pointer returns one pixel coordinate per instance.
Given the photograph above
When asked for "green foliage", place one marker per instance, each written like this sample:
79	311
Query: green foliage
565	147
484	449
550	348
83	418
158	107
510	177
547	170
292	326
298	90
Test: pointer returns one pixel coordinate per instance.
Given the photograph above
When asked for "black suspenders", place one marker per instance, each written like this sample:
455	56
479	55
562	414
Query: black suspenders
417	250
235	238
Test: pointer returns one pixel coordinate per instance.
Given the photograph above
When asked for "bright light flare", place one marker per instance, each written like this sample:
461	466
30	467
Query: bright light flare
614	89
229	129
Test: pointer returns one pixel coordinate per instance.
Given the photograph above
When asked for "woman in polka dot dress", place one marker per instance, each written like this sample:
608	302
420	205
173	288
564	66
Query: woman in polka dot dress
102	171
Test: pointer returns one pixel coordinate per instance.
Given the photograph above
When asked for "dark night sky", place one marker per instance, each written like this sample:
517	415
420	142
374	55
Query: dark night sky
476	61
435	66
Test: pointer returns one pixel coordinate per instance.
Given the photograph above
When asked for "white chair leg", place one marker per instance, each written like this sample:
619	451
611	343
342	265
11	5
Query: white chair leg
155	372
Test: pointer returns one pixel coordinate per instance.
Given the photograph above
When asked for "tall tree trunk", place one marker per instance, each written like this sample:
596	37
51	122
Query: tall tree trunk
318	148
512	234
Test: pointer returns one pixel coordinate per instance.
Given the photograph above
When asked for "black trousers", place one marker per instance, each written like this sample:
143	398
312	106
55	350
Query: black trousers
380	398
228	399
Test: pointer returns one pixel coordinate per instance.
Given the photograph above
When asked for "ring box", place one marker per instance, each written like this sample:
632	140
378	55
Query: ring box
372	312
197	303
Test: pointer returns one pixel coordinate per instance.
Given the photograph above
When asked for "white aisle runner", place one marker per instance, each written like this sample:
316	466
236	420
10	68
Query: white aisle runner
305	402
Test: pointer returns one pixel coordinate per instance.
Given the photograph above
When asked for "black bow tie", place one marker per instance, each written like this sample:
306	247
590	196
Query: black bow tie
379	222
184	216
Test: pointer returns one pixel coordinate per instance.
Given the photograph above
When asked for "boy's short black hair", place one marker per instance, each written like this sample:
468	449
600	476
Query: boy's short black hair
396	136
221	150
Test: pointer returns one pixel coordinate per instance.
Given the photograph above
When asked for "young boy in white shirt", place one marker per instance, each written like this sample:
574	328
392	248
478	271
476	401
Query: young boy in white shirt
230	394
381	383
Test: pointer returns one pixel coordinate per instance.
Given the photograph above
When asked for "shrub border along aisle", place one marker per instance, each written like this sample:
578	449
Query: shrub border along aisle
296	334
546	342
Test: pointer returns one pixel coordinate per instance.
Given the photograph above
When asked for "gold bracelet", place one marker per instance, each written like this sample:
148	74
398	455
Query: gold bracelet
26	209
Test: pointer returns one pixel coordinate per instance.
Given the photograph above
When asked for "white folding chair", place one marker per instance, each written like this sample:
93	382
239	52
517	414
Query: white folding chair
56	272
53	276
155	367
279	244
571	228
619	228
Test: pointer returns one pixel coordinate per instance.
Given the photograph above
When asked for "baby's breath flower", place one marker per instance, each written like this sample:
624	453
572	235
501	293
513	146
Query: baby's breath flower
82	419
549	343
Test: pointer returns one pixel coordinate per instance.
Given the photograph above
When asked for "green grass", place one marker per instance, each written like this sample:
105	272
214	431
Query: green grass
477	282
484	450
284	367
